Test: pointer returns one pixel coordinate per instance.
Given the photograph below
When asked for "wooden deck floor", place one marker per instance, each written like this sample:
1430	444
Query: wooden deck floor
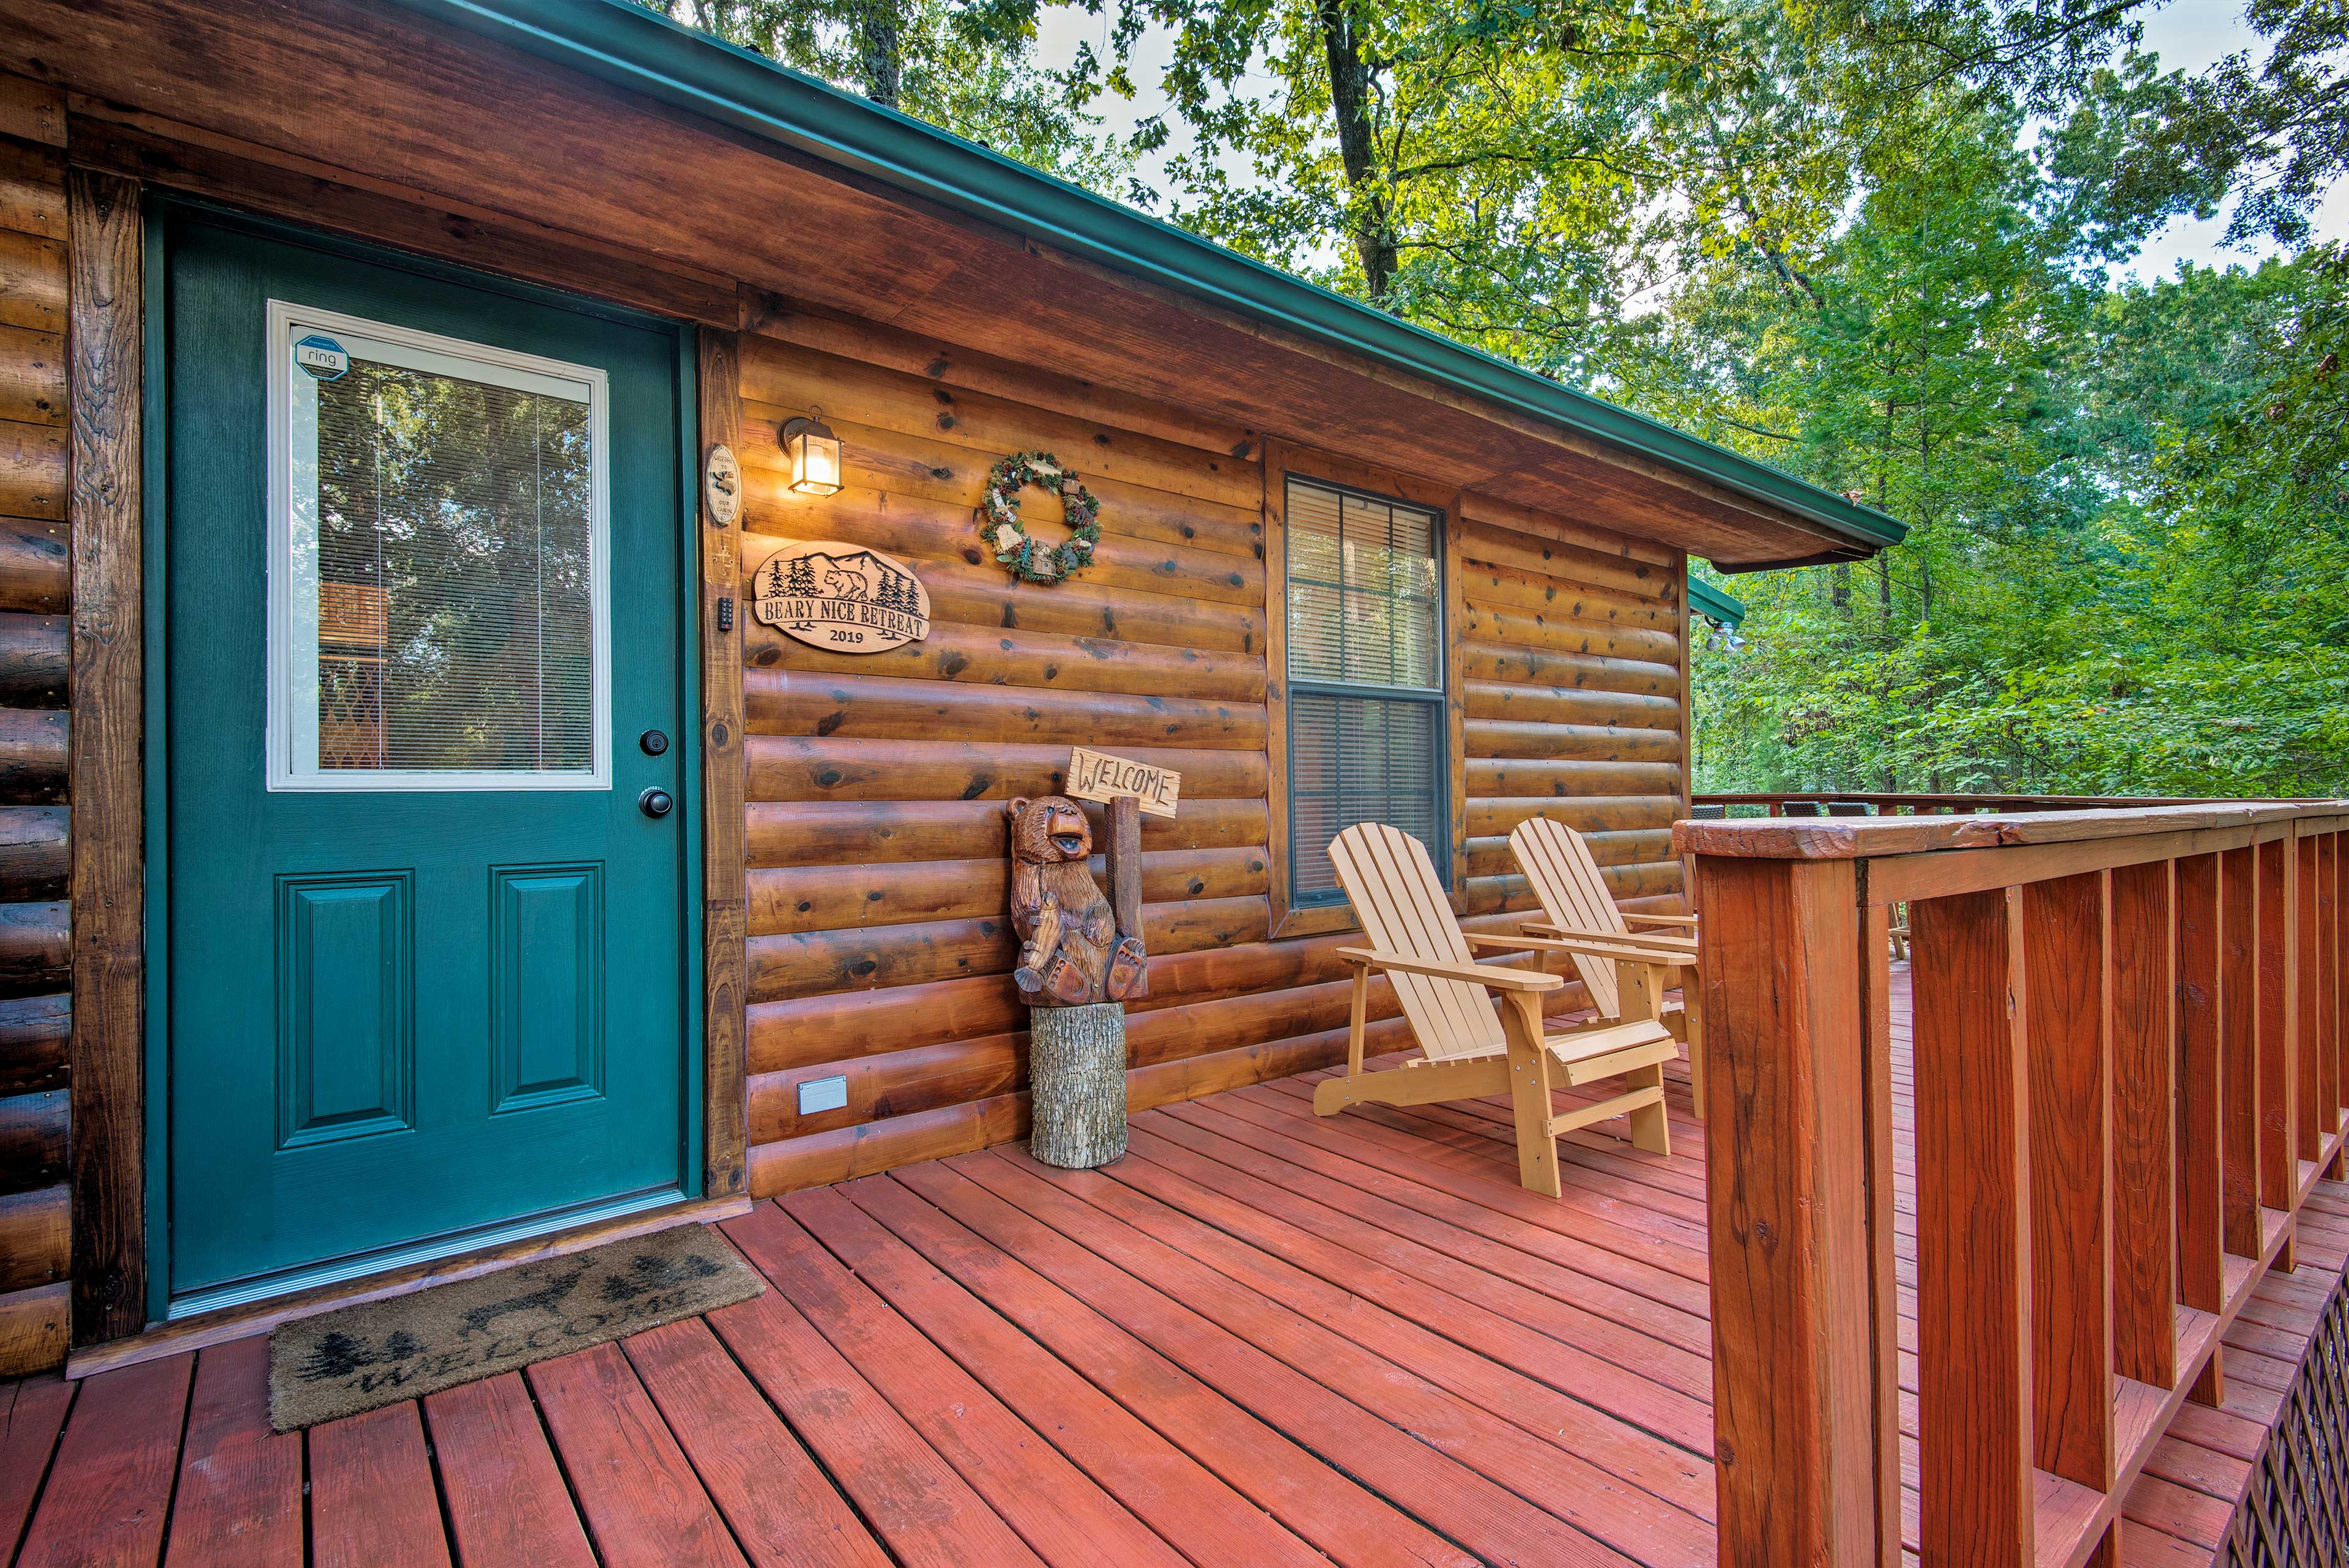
1260	1339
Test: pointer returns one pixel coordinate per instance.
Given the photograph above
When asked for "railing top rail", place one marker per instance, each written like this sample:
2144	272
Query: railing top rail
1900	797
1869	838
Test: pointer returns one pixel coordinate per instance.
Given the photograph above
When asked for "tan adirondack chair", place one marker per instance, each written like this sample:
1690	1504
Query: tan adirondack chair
1466	1052
1578	907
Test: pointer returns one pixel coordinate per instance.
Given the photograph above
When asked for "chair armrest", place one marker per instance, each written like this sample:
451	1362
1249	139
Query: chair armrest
1495	976
1601	944
1647	942
1689	920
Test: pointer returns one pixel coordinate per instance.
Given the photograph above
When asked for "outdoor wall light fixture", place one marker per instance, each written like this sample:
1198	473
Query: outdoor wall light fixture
815	454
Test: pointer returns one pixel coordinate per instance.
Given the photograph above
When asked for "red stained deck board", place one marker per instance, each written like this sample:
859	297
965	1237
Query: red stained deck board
1452	1494
1190	1507
240	1497
1336	1512
1183	1169
926	1513
508	1504
781	1509
643	1505
109	1488
1610	1225
1473	1354
1064	1518
1561	1266
372	1499
35	1415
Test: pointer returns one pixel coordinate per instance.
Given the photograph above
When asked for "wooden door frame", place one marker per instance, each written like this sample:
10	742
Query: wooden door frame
118	776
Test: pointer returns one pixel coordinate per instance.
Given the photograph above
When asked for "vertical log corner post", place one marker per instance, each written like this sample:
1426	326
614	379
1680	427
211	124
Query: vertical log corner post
725	1000
2115	1012
106	246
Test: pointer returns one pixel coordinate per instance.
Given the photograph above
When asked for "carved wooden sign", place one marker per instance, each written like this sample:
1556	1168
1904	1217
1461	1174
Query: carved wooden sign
843	598
1097	776
721	485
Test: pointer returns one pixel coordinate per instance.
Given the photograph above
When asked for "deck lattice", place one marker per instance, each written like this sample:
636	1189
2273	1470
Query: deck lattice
1263	1338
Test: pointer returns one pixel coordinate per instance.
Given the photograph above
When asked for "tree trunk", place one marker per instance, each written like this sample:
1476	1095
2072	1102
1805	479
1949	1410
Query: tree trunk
879	55
1076	1085
1350	99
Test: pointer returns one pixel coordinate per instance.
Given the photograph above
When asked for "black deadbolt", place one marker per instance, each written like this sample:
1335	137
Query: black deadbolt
655	803
653	742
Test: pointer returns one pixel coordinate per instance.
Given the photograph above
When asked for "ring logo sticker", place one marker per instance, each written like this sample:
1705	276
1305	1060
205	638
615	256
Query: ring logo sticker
322	356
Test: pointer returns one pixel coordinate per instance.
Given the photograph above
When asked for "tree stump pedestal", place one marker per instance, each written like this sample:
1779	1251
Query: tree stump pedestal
1076	1085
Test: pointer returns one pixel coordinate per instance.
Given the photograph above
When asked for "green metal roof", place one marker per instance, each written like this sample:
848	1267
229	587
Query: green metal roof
637	49
1716	607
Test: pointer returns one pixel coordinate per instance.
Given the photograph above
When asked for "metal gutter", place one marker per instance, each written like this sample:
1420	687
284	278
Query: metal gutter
1716	607
645	53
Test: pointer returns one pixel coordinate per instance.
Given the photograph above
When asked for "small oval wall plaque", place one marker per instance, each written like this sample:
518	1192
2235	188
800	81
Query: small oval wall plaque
843	598
721	486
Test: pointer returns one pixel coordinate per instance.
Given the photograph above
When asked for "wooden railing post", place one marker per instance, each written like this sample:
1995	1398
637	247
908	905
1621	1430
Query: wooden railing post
1805	1374
2146	1115
1975	1233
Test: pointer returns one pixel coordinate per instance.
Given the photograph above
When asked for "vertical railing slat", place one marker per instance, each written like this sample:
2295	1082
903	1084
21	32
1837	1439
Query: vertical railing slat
2328	986
2067	1043
1973	1234
2278	1047
2145	1122
2309	1076
2238	1039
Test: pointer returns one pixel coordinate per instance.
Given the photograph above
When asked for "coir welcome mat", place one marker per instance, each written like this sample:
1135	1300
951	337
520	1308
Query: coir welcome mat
378	1353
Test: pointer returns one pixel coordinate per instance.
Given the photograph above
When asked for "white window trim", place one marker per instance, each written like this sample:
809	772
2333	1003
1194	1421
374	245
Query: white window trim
294	632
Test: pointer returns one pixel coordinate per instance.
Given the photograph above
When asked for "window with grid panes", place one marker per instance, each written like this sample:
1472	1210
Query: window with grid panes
1366	730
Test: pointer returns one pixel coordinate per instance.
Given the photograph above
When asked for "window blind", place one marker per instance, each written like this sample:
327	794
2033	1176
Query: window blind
1365	678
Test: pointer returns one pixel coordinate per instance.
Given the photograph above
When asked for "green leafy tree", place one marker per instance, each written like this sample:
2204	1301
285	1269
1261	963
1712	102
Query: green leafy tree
967	65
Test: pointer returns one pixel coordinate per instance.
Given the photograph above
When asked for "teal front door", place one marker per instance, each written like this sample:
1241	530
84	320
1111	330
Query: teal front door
425	811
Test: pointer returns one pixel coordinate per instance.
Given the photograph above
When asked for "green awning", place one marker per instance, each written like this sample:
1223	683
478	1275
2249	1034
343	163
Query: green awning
1716	607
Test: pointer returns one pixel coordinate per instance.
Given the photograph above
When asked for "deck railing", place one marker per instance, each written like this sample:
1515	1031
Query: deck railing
2128	1073
1833	802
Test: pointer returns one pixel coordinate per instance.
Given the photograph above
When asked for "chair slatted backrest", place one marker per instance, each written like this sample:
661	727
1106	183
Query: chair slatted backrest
1403	910
1573	894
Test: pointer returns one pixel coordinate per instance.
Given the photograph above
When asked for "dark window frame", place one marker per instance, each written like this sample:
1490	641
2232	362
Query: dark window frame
1434	697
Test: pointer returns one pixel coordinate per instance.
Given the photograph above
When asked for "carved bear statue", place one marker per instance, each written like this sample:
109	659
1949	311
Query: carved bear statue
1071	952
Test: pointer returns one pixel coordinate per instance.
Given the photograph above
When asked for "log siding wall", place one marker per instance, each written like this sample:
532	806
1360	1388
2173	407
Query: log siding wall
876	944
36	1013
878	947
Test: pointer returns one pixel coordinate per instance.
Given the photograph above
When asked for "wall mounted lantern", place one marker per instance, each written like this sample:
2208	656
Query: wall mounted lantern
815	454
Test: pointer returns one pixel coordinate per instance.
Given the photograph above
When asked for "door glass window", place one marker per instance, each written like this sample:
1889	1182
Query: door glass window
437	579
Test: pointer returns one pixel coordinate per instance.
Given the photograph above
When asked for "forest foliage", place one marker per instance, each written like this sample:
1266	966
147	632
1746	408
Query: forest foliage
1877	243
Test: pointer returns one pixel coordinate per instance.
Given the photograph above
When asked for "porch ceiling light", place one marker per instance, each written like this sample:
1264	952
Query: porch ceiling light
815	454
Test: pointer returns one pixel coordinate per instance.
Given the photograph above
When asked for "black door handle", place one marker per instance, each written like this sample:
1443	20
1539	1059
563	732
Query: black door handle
656	803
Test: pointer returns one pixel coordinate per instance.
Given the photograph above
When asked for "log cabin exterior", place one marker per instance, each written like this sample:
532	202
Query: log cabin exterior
684	247
842	836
